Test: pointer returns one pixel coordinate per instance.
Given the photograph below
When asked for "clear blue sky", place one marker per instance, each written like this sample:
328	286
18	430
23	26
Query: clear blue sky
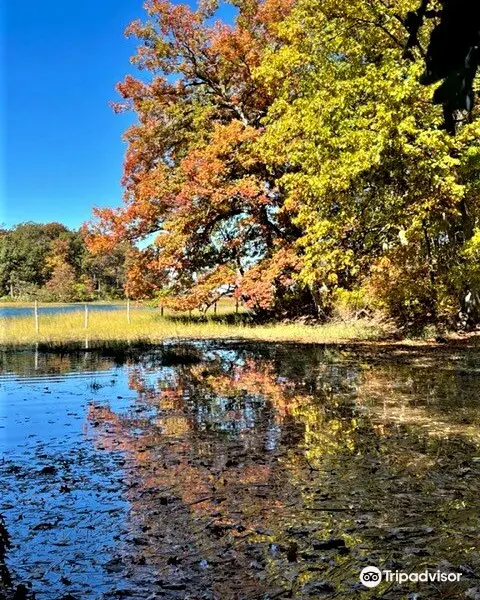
61	143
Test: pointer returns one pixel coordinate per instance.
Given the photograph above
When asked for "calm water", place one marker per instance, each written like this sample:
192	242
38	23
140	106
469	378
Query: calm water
228	471
53	310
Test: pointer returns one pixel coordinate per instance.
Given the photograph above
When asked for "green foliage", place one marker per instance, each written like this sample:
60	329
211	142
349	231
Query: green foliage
401	284
377	186
51	263
23	253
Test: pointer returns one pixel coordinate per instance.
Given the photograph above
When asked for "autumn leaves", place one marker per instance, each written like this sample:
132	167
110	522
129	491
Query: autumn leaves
278	159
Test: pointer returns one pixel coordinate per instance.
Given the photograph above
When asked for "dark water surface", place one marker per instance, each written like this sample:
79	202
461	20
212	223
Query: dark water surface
239	471
27	311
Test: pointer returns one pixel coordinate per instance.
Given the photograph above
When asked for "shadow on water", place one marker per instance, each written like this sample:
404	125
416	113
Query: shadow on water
239	471
5	579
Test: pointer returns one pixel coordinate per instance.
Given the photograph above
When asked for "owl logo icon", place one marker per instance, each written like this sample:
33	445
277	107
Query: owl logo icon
370	577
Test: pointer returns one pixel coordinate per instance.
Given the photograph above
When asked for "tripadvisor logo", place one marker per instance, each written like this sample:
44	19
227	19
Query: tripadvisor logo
372	576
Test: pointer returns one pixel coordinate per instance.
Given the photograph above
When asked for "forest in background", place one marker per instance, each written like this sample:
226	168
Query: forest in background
295	160
51	263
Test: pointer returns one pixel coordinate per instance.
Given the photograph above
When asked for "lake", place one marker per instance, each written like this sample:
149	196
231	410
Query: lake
239	471
23	311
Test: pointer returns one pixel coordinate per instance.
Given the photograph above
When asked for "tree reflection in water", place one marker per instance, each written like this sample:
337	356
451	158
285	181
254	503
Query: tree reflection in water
262	472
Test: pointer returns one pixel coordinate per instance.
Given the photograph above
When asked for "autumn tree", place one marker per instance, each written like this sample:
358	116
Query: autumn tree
62	284
194	177
383	195
291	157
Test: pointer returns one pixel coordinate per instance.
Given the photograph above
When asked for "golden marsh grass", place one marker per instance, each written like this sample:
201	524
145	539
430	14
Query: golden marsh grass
150	326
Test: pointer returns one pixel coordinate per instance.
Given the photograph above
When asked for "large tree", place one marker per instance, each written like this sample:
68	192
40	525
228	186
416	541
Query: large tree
291	156
452	56
193	174
382	193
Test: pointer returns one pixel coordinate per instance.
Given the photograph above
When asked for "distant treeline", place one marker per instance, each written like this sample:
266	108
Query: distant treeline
51	263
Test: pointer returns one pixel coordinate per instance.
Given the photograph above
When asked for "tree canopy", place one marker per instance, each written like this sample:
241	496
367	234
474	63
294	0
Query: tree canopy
292	158
194	175
452	55
50	262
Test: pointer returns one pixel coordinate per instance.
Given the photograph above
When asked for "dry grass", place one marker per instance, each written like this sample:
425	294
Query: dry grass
150	326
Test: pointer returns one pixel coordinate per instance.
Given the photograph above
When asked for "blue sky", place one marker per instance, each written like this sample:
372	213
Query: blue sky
62	151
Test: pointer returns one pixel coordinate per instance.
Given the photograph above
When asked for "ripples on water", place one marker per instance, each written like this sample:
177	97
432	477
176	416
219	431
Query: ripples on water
228	471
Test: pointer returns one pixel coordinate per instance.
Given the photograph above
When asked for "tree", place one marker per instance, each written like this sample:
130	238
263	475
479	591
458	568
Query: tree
62	285
452	55
370	171
36	260
23	252
291	156
107	270
193	175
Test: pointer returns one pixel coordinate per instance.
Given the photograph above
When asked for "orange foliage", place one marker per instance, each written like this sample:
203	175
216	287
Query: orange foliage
192	174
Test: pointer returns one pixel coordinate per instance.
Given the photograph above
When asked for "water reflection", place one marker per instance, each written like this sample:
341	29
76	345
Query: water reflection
239	471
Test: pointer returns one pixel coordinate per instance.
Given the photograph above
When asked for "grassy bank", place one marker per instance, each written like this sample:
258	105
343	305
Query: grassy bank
150	326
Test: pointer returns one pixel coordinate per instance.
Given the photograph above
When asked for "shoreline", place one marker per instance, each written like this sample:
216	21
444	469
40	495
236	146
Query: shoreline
150	328
31	303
